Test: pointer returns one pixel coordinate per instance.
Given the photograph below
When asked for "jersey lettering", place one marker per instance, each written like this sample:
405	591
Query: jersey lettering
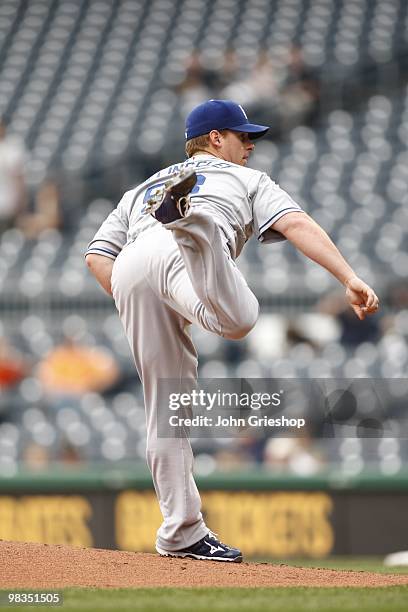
203	162
200	181
174	169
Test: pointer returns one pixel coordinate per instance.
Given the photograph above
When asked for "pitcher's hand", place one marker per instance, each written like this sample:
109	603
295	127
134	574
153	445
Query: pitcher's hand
361	297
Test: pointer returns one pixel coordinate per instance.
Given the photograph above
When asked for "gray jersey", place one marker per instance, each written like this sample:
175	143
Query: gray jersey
241	201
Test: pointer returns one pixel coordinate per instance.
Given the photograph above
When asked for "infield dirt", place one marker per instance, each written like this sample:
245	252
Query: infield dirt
42	566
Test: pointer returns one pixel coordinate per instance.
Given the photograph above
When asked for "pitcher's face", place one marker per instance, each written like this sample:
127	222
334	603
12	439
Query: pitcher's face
236	147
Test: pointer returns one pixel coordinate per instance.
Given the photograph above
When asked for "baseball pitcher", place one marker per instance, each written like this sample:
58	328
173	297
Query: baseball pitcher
167	256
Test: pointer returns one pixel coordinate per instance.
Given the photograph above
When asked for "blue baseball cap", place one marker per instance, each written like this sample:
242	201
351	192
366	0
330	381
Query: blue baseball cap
221	115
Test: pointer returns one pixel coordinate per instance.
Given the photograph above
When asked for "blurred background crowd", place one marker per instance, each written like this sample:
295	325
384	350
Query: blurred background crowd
93	94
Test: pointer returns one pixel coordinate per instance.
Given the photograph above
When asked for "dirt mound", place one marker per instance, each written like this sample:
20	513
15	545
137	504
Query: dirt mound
28	565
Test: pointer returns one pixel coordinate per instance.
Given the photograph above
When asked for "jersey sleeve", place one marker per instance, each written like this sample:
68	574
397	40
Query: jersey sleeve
111	237
270	203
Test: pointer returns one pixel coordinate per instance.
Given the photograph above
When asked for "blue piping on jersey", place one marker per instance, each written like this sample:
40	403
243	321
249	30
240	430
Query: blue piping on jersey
103	251
119	247
276	214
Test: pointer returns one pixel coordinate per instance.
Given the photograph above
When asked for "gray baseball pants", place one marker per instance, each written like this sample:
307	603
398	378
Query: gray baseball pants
168	278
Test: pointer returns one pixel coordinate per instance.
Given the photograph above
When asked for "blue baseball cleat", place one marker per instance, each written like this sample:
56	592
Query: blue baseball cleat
172	202
207	549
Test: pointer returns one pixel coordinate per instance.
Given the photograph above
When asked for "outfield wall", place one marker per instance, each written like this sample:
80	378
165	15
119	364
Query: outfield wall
265	515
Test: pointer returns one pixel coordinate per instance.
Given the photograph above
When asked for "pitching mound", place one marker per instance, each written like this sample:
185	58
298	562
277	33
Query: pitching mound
27	565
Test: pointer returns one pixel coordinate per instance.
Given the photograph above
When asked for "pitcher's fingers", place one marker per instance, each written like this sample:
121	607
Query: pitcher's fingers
372	300
359	312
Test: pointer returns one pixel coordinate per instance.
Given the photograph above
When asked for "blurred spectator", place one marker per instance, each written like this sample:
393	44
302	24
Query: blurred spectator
45	213
12	182
196	84
229	72
252	447
234	352
352	331
295	336
299	97
68	454
230	460
258	91
35	457
279	91
72	369
296	455
13	367
397	317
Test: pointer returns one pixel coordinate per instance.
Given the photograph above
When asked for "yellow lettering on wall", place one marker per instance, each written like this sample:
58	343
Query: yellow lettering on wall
53	519
137	519
279	524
